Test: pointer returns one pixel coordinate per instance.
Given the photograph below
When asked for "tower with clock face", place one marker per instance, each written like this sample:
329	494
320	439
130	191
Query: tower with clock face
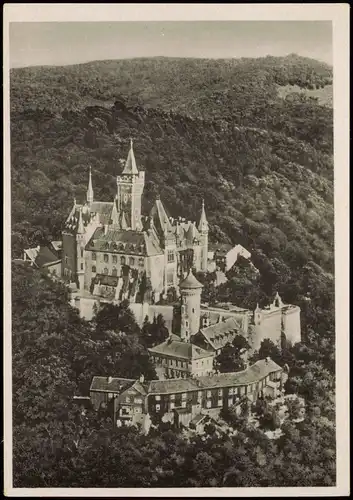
130	186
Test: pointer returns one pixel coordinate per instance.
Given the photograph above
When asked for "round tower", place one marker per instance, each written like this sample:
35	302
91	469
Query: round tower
190	290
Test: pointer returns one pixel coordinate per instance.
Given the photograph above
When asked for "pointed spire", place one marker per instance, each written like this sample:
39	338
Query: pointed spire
123	222
115	215
203	224
130	164
90	188
80	227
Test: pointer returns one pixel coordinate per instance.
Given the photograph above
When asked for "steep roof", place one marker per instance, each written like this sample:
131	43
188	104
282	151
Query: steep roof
179	349
113	384
221	333
203	224
190	282
130	164
160	217
124	242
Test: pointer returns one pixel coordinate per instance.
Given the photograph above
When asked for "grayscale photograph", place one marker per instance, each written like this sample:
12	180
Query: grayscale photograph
172	254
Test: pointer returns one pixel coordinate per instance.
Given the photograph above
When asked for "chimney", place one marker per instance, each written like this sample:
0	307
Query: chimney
105	229
110	380
142	379
267	360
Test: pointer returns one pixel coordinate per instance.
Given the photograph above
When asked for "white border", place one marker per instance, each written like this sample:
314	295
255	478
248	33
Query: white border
339	15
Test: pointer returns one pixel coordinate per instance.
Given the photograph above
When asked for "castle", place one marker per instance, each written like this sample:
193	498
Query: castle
111	249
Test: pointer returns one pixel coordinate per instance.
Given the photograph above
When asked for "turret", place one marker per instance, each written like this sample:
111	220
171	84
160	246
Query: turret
203	230
190	290
90	189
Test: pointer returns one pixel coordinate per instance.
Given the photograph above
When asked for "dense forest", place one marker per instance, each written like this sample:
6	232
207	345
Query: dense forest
262	157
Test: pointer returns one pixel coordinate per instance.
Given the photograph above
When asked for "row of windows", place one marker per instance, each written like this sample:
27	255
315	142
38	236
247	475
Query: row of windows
129	399
170	362
236	391
123	260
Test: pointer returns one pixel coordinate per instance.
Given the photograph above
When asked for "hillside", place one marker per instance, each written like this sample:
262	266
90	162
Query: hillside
263	163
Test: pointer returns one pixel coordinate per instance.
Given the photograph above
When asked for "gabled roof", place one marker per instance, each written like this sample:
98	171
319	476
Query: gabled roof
221	333
179	349
124	242
113	384
190	282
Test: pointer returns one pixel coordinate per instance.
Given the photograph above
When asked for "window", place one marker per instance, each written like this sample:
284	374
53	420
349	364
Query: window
199	395
230	401
94	256
220	402
220	392
115	259
183	404
158	398
128	399
208	404
209	394
123	260
172	397
81	266
81	252
231	391
132	261
94	270
193	309
114	272
106	257
141	261
110	395
138	410
183	396
172	405
105	271
158	407
170	255
170	278
138	401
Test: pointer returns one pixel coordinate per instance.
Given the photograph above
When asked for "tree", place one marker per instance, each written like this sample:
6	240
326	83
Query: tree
118	318
230	358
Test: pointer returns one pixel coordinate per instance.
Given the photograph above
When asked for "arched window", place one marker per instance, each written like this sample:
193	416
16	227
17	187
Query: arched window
94	270
132	261
141	261
105	270
115	259
123	260
106	257
114	272
94	256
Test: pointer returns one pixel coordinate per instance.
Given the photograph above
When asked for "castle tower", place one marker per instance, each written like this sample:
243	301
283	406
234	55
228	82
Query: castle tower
80	251
190	290
90	189
203	230
130	187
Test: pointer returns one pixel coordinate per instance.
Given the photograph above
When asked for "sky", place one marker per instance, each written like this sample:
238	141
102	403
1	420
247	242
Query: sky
62	43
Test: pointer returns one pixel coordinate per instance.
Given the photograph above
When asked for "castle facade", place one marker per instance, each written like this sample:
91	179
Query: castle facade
110	249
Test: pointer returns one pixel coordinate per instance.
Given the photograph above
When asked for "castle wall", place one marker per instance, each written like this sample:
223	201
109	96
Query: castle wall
291	323
268	327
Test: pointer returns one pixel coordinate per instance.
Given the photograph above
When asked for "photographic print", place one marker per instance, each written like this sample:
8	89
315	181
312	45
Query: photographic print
172	197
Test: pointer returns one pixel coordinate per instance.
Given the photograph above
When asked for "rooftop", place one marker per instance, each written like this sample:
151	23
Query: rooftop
110	384
253	373
180	349
221	333
190	282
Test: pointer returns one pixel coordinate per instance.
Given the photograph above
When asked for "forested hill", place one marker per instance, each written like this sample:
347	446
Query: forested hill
215	129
